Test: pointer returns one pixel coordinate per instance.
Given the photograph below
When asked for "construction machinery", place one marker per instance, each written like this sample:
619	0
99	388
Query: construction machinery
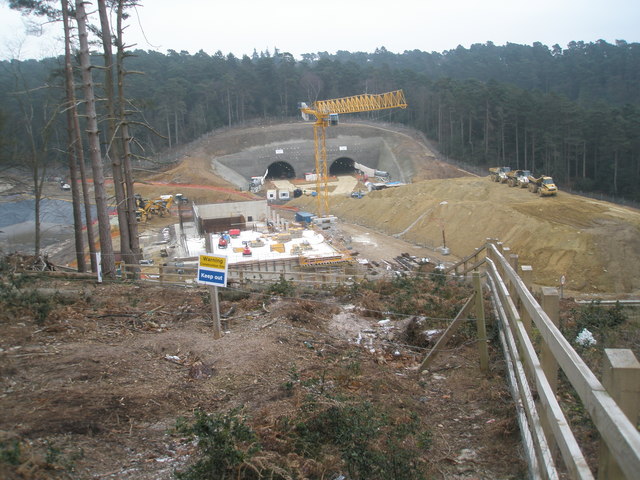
158	206
543	186
256	183
499	174
518	178
326	113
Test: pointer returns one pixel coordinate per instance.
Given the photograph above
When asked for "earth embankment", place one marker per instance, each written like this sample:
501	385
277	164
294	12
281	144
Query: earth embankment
594	244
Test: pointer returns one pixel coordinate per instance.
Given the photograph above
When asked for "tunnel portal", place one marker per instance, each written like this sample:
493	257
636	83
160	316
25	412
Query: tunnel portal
281	170
342	166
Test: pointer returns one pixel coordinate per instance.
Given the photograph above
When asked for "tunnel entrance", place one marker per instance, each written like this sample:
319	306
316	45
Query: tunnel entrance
342	166
281	170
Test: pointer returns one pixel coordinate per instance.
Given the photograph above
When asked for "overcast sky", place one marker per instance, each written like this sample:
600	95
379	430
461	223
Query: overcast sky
295	26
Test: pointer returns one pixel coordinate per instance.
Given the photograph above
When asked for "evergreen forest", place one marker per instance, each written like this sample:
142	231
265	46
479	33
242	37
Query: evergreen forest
572	113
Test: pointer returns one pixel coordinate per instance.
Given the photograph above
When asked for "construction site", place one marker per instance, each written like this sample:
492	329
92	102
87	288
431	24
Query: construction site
303	319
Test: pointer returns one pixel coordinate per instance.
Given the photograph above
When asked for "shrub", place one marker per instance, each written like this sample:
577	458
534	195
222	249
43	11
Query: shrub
15	299
227	445
282	287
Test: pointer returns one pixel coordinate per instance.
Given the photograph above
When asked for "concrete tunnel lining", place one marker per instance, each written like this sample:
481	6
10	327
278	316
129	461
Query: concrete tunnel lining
238	168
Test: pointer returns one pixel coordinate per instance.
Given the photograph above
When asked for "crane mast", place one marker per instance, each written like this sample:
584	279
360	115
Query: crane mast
326	114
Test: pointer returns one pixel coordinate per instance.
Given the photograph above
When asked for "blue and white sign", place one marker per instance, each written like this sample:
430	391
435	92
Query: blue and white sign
213	270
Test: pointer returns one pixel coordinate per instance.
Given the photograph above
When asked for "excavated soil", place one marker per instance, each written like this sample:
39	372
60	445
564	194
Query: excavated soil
594	244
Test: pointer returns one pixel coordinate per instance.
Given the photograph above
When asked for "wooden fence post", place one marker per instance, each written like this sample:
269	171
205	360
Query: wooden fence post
550	303
551	306
526	273
483	350
506	252
621	378
513	262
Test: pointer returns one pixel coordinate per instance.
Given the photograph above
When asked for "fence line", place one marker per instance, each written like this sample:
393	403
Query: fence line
615	428
544	428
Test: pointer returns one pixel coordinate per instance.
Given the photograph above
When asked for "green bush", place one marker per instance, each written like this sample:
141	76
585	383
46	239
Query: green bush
282	287
370	445
225	443
15	299
597	319
10	452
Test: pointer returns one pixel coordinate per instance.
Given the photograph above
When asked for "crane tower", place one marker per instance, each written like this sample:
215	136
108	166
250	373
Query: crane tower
326	114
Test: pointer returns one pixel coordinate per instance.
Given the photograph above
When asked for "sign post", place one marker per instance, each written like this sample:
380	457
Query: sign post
213	271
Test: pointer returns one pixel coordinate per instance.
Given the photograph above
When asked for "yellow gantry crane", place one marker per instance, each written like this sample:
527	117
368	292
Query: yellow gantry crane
326	113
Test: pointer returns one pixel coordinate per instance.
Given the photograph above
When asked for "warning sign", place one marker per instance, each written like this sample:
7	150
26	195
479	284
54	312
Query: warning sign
212	270
209	261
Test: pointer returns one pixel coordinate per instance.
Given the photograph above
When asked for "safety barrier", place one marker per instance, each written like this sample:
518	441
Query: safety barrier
613	404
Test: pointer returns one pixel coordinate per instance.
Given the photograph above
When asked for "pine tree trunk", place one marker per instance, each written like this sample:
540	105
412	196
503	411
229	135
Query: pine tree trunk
517	147
486	129
37	198
104	228
124	130
73	159
615	172
113	146
168	129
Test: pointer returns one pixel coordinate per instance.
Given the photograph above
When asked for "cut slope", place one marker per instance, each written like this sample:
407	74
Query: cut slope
595	244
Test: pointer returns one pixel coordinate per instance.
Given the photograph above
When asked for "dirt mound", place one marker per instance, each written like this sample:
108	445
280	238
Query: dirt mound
594	244
193	178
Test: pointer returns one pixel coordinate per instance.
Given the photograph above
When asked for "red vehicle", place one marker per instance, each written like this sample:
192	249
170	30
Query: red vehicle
246	252
234	232
222	243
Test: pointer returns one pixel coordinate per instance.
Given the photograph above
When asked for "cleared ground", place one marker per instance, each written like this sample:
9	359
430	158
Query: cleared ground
594	244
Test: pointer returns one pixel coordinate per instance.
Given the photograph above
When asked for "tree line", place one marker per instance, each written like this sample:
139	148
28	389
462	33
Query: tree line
53	120
571	113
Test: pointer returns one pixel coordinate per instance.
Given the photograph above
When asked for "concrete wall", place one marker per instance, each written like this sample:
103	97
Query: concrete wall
257	210
239	167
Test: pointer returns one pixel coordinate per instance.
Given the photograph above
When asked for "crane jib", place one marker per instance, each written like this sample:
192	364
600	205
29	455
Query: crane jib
361	103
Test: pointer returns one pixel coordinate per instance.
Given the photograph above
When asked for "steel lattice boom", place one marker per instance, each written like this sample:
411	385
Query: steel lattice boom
323	111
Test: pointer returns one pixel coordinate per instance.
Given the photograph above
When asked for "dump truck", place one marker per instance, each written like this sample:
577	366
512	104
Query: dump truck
518	178
499	174
543	186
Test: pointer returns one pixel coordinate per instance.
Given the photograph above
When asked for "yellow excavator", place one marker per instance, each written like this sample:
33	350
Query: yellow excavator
158	206
326	113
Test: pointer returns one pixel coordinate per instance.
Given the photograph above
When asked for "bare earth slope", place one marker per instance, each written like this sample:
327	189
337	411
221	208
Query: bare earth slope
595	244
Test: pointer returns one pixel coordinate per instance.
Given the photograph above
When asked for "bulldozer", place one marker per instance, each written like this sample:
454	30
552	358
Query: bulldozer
518	178
499	174
543	186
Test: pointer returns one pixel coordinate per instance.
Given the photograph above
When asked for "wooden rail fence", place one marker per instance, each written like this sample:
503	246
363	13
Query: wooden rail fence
186	275
613	404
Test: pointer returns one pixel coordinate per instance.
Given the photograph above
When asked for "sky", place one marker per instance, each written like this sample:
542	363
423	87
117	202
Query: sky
297	27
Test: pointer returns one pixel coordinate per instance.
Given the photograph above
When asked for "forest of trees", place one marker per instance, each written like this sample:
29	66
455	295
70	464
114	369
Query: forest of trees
572	113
